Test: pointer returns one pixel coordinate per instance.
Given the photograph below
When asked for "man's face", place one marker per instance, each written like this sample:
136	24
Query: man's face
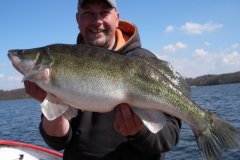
97	23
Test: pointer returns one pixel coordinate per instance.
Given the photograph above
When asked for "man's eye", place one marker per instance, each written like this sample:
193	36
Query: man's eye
87	13
105	13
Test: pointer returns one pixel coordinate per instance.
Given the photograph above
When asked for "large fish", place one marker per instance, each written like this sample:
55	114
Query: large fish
95	79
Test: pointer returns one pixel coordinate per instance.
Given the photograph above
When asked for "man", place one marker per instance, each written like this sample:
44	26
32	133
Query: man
119	134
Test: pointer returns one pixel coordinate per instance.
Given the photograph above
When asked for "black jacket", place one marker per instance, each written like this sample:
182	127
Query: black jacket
92	135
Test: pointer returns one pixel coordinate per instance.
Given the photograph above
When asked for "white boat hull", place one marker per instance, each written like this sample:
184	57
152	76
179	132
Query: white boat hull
10	150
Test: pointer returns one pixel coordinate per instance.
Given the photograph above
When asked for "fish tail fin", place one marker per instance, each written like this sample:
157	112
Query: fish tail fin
219	136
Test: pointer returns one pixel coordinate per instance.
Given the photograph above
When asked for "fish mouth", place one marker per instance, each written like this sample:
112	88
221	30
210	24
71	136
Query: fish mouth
14	57
18	62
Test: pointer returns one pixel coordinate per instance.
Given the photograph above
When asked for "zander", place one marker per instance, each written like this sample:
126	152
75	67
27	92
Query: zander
95	79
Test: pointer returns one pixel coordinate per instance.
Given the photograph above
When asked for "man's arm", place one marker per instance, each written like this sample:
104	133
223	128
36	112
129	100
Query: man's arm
129	125
162	141
59	127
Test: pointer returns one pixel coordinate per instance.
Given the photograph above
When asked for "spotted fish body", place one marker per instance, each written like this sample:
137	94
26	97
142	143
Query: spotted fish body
96	79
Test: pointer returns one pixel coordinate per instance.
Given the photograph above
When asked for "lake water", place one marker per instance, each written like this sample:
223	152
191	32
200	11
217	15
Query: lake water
19	120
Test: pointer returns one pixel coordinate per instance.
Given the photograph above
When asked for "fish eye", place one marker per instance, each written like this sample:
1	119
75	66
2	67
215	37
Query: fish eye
20	53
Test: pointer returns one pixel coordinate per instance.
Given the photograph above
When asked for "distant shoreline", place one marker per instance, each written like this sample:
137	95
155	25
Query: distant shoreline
208	80
205	80
13	94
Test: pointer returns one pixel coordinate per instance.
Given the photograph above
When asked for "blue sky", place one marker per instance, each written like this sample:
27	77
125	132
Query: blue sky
196	36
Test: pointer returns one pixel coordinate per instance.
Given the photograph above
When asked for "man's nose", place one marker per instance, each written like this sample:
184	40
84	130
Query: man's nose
98	18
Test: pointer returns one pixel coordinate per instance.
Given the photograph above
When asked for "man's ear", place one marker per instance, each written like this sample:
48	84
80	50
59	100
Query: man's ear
117	18
77	18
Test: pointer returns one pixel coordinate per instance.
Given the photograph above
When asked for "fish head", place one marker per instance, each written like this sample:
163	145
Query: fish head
28	61
34	64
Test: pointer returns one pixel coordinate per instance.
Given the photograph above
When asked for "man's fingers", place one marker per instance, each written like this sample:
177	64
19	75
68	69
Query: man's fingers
127	116
127	123
33	90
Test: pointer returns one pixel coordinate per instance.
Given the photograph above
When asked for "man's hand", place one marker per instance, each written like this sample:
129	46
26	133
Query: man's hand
34	91
126	122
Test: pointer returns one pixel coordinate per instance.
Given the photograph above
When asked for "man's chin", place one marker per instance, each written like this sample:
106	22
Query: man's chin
98	43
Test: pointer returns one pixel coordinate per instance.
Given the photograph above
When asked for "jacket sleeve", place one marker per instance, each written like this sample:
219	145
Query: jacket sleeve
148	142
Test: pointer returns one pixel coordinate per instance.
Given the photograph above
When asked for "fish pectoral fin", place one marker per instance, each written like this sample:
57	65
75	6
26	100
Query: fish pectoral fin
70	113
36	75
152	119
52	107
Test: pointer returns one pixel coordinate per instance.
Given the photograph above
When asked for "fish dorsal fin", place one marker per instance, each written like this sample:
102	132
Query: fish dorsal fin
53	107
152	119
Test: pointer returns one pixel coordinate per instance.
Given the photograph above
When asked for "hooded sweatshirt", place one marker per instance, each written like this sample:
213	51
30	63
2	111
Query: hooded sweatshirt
92	135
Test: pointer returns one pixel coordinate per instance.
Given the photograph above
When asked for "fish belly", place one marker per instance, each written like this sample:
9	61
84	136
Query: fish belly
95	97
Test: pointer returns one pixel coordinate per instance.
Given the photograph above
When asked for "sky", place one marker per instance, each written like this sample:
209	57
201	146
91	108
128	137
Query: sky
197	37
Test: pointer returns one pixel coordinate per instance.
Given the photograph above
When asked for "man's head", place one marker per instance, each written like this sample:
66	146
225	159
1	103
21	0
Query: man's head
98	20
